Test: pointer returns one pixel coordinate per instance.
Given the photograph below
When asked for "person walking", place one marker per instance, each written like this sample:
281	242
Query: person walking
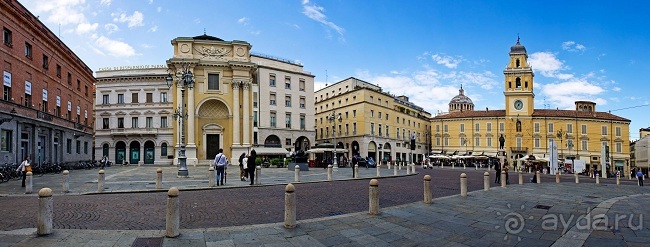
241	166
24	168
505	168
251	165
245	168
497	169
639	176
220	163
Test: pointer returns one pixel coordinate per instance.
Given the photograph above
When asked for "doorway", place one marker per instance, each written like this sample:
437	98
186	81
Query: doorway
212	146
135	152
149	152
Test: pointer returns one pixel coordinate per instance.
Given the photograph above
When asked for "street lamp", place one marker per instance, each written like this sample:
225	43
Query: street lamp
184	79
332	119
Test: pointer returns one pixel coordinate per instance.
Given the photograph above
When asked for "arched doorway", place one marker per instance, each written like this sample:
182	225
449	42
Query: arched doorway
272	141
372	150
149	152
302	143
387	152
355	148
120	152
105	150
134	152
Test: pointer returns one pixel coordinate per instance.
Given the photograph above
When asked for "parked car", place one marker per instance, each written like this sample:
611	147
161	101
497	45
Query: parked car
358	160
371	163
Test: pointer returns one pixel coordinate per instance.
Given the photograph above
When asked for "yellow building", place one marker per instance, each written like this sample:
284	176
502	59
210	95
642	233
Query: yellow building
219	105
370	122
579	133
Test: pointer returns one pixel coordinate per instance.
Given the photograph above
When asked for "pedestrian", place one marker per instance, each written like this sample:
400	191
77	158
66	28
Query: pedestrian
24	167
355	162
251	165
104	161
241	166
505	168
639	175
245	168
497	169
220	164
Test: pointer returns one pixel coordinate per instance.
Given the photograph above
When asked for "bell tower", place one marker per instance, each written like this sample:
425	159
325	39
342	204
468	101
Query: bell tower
518	88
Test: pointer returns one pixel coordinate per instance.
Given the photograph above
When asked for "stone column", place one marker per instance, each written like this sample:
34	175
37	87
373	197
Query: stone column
503	179
486	181
45	212
235	114
28	183
66	181
538	177
463	184
190	119
258	174
374	197
296	173
521	177
289	206
211	177
159	178
173	214
427	189
100	181
247	115
329	173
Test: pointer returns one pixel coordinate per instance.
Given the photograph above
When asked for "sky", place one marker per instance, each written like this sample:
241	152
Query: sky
579	50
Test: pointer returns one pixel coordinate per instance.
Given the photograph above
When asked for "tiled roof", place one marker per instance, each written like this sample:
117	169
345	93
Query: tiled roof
537	113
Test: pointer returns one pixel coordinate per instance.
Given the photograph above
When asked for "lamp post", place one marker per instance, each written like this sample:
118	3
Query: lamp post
184	79
332	118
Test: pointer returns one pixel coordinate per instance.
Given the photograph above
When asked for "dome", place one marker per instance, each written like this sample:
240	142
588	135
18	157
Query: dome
517	48
461	98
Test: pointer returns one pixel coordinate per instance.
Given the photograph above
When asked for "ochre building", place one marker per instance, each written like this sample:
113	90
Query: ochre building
579	134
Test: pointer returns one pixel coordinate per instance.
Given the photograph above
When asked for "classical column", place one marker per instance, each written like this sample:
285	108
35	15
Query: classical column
178	106
190	118
235	113
247	115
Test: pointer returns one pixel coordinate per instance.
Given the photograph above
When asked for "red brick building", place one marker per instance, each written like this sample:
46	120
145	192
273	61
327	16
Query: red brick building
46	108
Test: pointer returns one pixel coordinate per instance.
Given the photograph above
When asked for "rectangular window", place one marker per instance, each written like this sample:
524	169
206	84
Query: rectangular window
46	61
213	81
6	142
6	37
287	101
489	127
134	98
105	123
272	80
85	147
254	118
569	128
163	150
301	85
354	128
583	129
68	146
386	116
477	127
618	131
379	115
437	128
603	130
477	141
120	122
134	122
163	122
437	141
354	113
536	142
120	98
272	99
6	94
149	122
397	133
445	128
583	143
78	85
287	121
372	129
302	102
302	122
372	113
287	83
273	119
287	141
58	71
536	127
105	100
489	141
502	127
446	141
387	131
78	147
163	97
619	147
28	50
462	128
28	100
518	142
550	128
380	130
149	98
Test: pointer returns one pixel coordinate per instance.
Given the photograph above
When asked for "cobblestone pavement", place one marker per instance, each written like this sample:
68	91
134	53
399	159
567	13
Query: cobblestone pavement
330	213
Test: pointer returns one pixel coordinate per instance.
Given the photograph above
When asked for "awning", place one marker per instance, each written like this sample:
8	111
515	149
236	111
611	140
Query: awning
323	150
270	151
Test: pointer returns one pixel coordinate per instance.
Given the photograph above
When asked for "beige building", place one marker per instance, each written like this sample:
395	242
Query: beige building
580	133
372	122
286	93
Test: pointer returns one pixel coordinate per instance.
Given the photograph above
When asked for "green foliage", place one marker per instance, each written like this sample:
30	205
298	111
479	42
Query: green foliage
275	161
258	161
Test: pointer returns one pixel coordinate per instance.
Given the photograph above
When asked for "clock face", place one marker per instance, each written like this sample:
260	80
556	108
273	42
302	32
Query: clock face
519	104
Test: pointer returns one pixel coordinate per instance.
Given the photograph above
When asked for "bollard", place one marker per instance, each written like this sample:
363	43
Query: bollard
464	166
356	171
296	173
503	179
388	164
211	177
159	178
374	197
258	174
378	171
329	173
413	167
289	206
400	166
577	178
453	165
463	184
66	181
618	180
597	179
529	171
557	178
395	170
173	213
28	183
45	212
539	179
408	169
486	181
521	177
427	189
100	181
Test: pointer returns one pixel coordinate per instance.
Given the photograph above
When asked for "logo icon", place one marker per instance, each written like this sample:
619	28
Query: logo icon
514	223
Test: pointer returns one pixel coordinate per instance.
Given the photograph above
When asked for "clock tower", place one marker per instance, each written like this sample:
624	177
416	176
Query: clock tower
518	83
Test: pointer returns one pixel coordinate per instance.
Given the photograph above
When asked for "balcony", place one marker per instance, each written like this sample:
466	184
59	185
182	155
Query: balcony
134	132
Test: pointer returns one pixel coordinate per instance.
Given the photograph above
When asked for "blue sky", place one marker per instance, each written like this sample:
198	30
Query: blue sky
594	50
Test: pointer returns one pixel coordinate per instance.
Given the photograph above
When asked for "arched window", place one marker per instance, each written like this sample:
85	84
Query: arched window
518	82
509	84
163	149
518	126
518	64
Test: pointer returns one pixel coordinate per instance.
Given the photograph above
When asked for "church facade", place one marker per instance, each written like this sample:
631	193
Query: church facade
580	134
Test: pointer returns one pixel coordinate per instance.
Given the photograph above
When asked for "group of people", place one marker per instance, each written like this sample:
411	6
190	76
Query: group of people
246	166
498	169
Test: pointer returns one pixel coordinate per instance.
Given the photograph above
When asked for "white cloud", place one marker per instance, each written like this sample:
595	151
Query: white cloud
153	29
256	32
105	2
83	28
447	61
316	13
616	89
197	21
115	48
134	20
244	21
150	1
158	9
572	46
546	63
573	90
61	12
111	28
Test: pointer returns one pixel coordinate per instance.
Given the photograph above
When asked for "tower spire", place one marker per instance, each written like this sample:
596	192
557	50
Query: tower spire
517	38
